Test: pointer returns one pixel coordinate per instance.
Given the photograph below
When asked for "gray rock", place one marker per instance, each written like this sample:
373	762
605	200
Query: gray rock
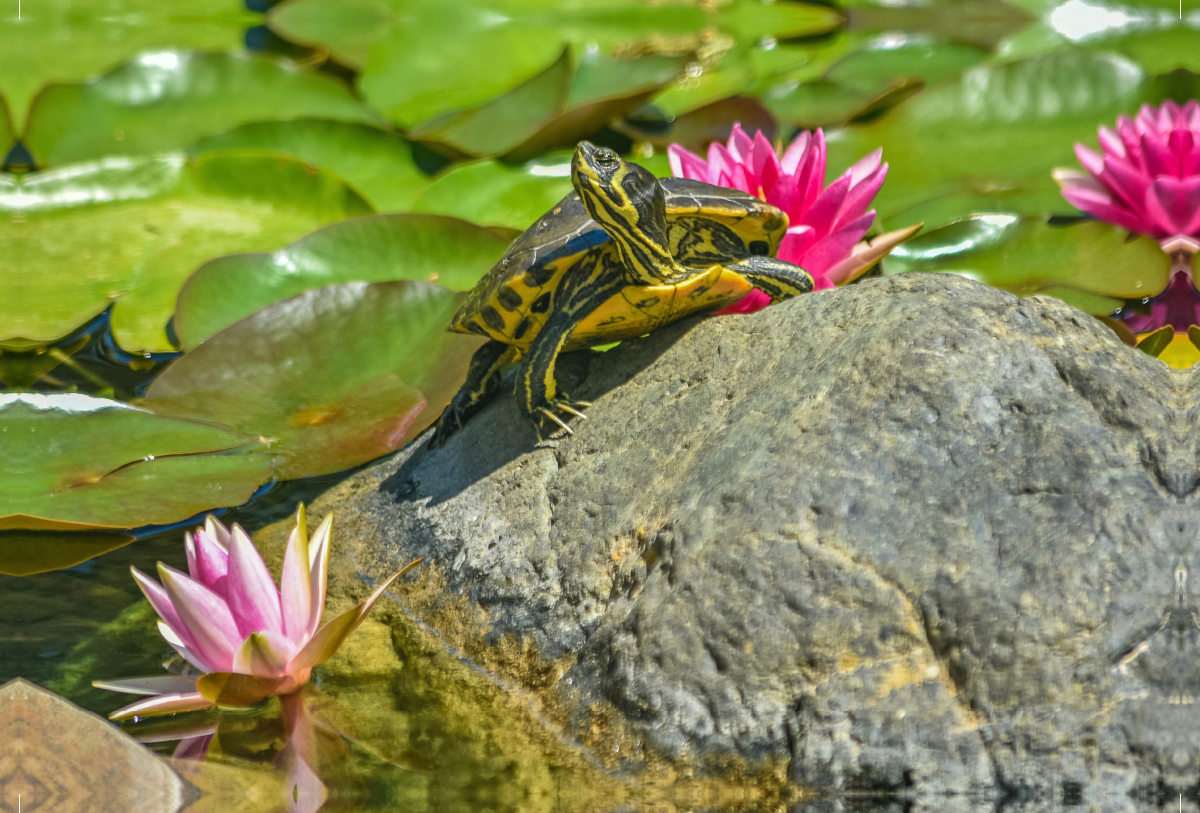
913	534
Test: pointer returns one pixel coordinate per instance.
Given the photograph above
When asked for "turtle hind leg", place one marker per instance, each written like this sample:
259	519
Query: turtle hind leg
482	377
775	278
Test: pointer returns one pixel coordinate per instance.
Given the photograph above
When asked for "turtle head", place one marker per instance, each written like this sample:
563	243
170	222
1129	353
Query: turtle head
629	202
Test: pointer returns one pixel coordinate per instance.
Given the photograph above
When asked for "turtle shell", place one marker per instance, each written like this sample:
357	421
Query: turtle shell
706	227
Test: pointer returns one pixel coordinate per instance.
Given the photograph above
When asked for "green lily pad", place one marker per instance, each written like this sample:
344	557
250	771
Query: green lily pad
418	62
73	462
378	163
377	248
130	230
73	40
164	100
7	133
1028	256
332	378
554	108
498	194
994	133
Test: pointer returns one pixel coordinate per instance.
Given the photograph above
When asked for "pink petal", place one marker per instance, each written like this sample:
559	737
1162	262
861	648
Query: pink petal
264	654
859	198
1156	155
782	195
1110	142
685	164
177	643
252	595
318	567
1126	183
763	163
836	247
865	166
810	175
795	151
822	215
218	532
211	562
192	749
295	583
160	601
796	243
159	684
740	144
719	160
1174	204
1091	161
864	255
207	620
162	704
1100	205
741	179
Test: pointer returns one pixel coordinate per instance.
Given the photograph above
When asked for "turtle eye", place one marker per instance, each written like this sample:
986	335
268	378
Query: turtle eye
607	158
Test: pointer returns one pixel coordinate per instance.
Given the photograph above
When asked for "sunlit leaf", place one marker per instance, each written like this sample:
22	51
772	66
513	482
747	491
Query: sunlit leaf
164	100
425	248
333	377
419	62
497	194
1028	256
995	133
379	164
74	40
131	230
7	132
73	462
568	100
28	553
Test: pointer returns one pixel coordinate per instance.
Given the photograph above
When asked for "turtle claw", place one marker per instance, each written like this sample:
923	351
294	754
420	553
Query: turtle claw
556	419
565	407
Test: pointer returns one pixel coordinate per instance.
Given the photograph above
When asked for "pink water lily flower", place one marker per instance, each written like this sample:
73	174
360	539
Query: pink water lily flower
1147	178
826	223
229	621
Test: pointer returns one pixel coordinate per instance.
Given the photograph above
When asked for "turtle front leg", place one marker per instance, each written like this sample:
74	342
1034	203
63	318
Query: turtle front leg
482	377
536	387
775	278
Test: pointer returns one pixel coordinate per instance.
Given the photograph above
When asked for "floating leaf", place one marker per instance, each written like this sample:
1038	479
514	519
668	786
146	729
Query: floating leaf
376	162
995	133
131	230
334	377
418	62
554	108
1028	256
7	132
70	40
164	100
425	248
73	462
497	194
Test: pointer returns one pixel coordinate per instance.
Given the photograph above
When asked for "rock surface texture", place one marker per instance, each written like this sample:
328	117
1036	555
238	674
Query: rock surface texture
913	534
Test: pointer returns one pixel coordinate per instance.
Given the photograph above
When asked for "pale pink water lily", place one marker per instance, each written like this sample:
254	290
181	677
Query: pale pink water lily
1147	176
248	638
826	223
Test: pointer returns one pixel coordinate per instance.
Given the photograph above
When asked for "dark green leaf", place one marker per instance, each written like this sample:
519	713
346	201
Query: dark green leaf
333	377
426	248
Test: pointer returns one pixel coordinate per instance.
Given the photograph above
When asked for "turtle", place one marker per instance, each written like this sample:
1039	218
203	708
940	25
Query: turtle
622	255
